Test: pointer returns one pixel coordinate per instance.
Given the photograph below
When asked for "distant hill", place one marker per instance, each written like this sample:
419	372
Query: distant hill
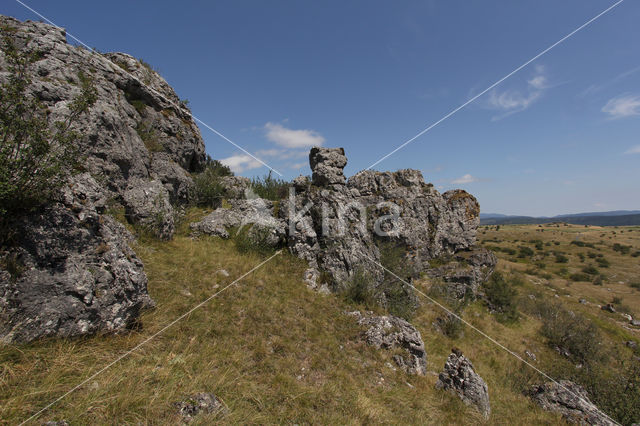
602	219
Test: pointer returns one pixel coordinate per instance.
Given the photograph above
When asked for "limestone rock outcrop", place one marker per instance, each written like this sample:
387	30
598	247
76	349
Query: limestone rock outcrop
73	272
459	377
342	227
571	401
137	131
68	269
389	332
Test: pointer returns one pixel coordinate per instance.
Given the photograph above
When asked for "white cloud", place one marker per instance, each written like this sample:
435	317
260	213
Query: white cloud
512	101
622	106
290	138
464	179
299	166
241	162
633	150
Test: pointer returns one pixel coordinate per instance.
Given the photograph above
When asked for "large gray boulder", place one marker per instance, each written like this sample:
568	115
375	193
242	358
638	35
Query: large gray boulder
254	216
69	270
327	165
393	333
571	401
138	129
147	203
341	227
72	271
460	378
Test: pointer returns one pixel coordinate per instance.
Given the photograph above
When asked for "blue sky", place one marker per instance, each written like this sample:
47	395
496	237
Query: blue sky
560	136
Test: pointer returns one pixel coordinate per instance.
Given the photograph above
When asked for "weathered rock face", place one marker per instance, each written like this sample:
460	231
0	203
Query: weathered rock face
74	272
340	228
465	271
70	270
138	130
256	214
327	165
206	403
459	376
570	400
147	203
389	332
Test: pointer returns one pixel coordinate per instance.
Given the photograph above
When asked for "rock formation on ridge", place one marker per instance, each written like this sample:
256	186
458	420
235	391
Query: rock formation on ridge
69	270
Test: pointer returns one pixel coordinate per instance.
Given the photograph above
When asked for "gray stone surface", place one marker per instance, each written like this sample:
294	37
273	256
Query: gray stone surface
327	165
76	274
147	203
389	332
459	377
339	227
70	270
138	129
206	403
256	214
571	401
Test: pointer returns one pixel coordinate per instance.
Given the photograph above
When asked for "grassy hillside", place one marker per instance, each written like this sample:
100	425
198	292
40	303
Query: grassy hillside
272	350
587	219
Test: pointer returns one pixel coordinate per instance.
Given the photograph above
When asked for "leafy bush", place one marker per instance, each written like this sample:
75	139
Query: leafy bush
501	297
561	258
568	332
580	277
399	298
591	270
635	285
621	248
254	238
208	191
602	262
361	290
270	188
34	158
525	251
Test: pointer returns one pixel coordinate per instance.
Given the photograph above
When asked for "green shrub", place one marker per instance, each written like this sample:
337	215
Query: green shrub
34	159
591	270
635	285
270	188
399	298
621	248
501	297
254	238
450	325
602	262
569	332
561	258
525	251
580	277
208	191
361	290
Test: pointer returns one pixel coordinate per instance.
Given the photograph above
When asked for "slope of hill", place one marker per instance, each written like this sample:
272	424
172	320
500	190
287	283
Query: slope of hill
577	219
270	348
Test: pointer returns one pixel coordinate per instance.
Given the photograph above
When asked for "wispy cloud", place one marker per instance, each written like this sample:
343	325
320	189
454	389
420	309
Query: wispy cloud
622	106
240	163
464	179
513	101
290	138
595	88
633	150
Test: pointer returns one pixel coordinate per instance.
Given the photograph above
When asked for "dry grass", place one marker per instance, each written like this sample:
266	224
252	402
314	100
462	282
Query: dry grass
272	350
